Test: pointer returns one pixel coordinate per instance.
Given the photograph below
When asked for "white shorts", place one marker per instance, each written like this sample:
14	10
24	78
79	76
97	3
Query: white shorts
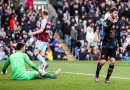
41	45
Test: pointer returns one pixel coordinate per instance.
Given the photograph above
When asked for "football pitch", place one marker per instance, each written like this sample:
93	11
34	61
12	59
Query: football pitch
75	75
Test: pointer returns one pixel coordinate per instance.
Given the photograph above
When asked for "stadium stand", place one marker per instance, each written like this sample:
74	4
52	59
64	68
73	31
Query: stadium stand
79	24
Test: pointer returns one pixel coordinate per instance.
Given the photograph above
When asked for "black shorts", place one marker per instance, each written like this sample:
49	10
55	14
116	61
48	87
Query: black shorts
111	52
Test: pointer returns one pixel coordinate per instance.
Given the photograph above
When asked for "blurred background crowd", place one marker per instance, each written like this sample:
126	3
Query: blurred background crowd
17	19
79	24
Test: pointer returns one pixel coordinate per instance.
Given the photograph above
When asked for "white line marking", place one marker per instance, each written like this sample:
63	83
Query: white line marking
85	74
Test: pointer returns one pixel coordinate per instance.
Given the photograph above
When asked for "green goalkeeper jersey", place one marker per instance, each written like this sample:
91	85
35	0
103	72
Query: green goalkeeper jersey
17	62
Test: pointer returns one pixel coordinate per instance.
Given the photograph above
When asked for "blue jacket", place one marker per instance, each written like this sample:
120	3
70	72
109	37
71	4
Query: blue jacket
127	58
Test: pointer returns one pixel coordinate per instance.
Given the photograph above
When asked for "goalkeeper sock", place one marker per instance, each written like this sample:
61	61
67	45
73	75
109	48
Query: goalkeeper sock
99	66
110	70
41	59
47	75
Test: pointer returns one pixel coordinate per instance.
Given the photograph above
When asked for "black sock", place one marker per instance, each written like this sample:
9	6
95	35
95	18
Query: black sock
110	70
99	66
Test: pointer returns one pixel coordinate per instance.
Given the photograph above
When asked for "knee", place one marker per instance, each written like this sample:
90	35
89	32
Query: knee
112	60
36	53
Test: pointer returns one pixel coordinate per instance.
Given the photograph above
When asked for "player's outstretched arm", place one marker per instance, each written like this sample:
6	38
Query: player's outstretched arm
37	32
29	62
7	63
43	25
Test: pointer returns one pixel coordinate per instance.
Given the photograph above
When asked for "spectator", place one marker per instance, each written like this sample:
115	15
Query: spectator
55	54
96	55
55	42
2	54
49	54
128	49
29	3
90	27
28	26
13	23
63	55
126	57
90	37
74	35
2	33
82	37
60	49
16	3
97	36
82	54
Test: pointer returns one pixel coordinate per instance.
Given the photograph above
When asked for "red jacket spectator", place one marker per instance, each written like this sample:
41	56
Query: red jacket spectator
12	22
29	3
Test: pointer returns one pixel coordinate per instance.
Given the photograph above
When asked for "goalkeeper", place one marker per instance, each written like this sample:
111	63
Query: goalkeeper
18	60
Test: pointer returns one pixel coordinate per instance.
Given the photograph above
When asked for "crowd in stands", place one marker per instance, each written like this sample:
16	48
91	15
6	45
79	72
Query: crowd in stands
79	22
18	18
80	25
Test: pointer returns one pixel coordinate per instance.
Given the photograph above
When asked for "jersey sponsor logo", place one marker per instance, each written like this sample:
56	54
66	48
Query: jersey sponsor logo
112	33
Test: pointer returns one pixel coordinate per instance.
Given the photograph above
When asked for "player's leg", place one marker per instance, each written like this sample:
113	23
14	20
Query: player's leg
101	63
28	76
38	47
39	57
47	75
112	53
42	53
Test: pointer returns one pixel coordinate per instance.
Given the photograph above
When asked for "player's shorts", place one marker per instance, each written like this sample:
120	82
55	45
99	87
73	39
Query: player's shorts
41	45
28	76
111	52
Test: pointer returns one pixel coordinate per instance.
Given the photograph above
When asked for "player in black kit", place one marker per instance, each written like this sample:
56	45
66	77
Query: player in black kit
109	44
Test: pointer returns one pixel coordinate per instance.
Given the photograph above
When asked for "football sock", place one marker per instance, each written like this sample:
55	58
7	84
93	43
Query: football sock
41	59
99	66
47	75
110	70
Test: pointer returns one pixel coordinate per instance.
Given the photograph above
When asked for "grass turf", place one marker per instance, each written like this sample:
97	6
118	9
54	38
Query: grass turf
77	77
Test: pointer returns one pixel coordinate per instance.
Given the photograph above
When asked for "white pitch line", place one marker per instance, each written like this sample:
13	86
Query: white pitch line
86	74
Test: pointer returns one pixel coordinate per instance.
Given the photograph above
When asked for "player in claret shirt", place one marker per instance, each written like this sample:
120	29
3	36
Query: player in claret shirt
109	45
42	40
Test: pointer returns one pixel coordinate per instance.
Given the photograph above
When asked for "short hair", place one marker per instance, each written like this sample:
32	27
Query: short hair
20	45
113	9
45	12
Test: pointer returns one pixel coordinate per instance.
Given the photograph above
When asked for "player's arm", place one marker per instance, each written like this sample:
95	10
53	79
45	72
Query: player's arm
28	61
38	32
107	26
119	40
7	63
43	25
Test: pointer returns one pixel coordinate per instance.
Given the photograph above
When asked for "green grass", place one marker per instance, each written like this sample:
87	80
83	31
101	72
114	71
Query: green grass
67	81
